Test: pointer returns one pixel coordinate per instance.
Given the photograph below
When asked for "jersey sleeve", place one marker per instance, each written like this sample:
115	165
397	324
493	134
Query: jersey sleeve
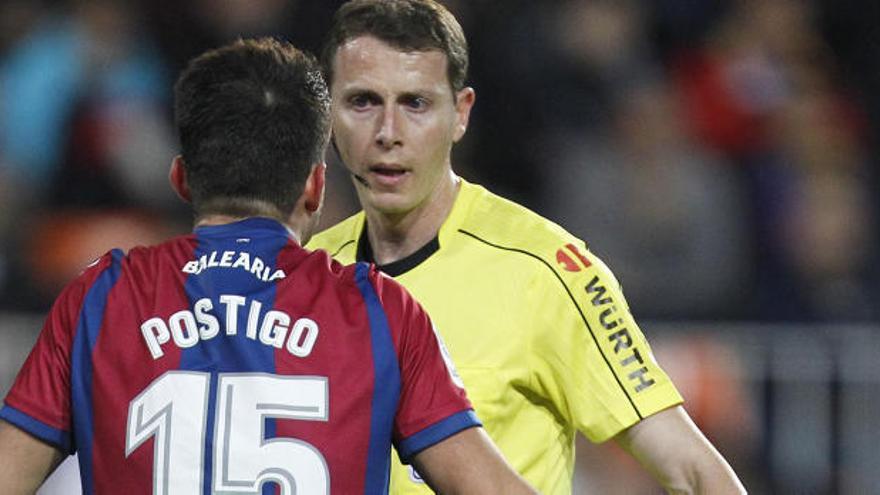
590	356
39	401
433	404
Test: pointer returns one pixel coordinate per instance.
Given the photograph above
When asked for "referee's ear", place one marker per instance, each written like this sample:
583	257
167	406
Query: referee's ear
464	102
177	178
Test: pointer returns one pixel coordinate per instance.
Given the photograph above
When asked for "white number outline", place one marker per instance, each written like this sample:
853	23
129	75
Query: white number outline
232	451
189	385
243	458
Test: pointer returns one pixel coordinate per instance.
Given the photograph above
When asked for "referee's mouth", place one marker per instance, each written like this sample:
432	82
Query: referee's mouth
388	175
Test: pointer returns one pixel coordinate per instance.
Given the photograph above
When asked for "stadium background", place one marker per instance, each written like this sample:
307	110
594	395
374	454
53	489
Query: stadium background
721	156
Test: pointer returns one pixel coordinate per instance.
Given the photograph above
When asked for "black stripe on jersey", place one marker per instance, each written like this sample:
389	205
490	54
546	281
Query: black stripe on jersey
341	248
574	301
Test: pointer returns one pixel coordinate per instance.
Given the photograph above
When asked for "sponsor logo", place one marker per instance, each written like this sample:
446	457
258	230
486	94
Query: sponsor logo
234	259
629	358
447	358
569	256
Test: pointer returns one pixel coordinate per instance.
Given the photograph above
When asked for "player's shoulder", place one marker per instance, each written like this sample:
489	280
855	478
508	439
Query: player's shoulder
107	262
148	260
319	263
374	285
105	267
339	237
400	309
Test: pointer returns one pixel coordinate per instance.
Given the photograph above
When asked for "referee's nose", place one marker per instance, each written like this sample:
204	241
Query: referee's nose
388	134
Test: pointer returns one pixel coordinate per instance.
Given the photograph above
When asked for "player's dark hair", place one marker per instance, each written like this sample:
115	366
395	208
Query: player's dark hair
409	25
253	117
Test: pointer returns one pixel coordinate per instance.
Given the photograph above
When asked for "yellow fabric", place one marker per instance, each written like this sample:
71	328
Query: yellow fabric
538	330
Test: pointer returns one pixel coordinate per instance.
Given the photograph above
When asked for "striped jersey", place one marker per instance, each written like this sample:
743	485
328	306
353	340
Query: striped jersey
537	326
232	360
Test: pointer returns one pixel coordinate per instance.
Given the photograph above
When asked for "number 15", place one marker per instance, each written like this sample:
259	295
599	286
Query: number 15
174	408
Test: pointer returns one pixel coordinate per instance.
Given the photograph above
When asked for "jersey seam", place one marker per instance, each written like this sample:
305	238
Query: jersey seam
576	305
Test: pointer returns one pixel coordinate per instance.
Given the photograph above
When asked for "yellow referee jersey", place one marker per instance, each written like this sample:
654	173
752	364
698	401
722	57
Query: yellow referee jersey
537	327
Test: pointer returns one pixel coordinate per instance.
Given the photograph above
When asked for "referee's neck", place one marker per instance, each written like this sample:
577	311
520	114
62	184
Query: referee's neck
393	237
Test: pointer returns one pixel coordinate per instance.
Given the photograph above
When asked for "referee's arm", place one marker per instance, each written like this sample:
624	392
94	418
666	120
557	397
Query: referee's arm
671	447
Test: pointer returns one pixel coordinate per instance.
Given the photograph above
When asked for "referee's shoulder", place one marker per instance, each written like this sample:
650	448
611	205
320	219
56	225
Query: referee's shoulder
505	224
338	237
542	251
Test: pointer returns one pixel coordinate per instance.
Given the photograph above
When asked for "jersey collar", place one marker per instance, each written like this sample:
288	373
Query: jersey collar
401	266
466	194
254	224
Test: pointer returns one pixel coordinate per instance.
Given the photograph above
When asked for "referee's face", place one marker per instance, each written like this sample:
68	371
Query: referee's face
395	121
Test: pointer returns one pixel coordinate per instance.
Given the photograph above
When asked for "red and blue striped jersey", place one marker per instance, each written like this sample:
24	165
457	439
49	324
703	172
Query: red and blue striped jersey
232	360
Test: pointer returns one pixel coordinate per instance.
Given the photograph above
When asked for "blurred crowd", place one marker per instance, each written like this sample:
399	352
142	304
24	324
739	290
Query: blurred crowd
721	156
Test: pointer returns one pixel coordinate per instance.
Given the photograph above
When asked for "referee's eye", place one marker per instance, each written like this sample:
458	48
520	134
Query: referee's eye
362	101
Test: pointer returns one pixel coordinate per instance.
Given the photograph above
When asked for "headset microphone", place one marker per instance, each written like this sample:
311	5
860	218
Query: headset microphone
360	179
339	157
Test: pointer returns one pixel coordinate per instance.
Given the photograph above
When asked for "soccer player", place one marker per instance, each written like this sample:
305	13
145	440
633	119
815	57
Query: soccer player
536	324
232	360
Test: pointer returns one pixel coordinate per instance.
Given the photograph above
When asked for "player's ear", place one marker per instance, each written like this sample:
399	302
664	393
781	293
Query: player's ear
177	178
464	101
307	211
313	192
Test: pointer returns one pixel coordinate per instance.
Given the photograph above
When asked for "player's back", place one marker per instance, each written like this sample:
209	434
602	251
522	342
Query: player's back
233	354
223	340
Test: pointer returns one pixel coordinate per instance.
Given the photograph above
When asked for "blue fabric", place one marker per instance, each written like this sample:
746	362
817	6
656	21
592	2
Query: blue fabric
263	238
386	387
90	324
436	433
44	432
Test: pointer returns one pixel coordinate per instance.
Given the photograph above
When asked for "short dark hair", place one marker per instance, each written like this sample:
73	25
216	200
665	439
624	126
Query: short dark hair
253	117
411	25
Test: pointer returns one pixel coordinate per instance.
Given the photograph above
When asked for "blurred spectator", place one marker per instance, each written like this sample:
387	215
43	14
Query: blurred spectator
116	152
85	123
17	17
818	257
763	92
539	67
744	72
93	50
60	244
664	213
676	26
184	29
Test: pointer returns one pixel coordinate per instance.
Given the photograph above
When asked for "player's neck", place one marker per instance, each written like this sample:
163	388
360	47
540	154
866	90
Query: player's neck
220	219
394	237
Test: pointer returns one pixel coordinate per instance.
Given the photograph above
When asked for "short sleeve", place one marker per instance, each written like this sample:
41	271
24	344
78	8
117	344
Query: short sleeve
433	404
39	401
591	358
